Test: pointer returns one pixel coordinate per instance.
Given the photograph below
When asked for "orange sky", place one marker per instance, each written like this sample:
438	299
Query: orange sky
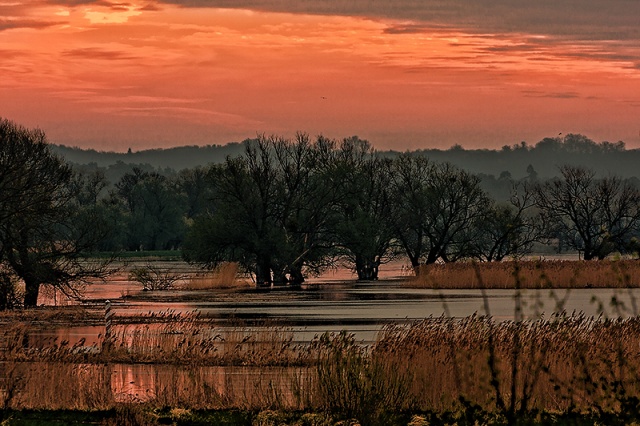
152	74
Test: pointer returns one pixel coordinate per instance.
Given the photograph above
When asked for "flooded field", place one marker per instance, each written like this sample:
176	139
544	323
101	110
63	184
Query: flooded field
237	346
334	301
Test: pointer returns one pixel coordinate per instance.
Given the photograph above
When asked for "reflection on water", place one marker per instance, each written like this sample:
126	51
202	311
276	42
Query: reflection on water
55	385
362	310
146	382
324	304
333	302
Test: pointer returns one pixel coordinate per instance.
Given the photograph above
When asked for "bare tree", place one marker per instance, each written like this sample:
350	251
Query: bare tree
593	216
305	217
438	210
271	211
509	229
457	205
364	226
410	199
44	235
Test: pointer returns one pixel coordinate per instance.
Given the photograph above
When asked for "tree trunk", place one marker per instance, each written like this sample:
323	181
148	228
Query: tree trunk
367	269
279	277
295	276
432	257
7	292
32	289
263	273
291	276
415	263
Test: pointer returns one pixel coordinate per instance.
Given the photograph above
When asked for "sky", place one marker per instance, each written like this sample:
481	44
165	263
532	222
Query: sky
403	74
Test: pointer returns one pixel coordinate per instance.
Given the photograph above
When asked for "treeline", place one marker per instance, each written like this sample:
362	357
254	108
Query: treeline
284	209
545	157
288	208
177	158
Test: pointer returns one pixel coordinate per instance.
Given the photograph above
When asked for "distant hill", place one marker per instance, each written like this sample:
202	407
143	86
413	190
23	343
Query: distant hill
545	158
542	159
177	158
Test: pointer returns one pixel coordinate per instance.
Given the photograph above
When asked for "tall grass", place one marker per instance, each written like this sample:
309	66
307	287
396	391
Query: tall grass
564	364
56	386
462	369
225	276
352	382
532	274
162	338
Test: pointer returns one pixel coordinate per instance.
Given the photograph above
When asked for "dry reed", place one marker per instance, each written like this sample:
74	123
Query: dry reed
225	276
49	315
57	386
561	364
162	338
532	274
190	340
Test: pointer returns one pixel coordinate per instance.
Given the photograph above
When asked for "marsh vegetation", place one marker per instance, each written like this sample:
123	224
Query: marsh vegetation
469	368
436	370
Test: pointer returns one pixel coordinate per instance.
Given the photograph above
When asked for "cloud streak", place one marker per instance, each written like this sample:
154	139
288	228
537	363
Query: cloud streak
606	25
97	53
12	24
553	95
573	19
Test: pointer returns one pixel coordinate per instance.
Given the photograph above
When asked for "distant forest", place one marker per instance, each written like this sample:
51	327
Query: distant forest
545	157
495	168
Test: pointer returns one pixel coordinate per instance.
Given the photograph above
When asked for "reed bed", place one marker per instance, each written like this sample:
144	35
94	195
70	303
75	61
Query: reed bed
163	338
55	386
224	276
465	370
68	386
50	315
529	274
199	343
566	363
563	364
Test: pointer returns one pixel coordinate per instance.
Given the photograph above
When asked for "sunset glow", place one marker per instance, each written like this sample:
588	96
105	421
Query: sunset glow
152	74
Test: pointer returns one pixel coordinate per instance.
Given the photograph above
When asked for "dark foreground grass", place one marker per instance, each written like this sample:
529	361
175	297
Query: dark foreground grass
127	414
140	415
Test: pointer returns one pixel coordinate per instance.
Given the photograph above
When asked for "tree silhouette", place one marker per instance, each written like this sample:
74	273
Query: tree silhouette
270	210
44	234
437	210
508	229
594	216
410	202
364	226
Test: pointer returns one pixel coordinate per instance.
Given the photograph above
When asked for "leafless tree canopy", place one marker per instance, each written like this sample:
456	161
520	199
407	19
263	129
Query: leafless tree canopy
43	233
